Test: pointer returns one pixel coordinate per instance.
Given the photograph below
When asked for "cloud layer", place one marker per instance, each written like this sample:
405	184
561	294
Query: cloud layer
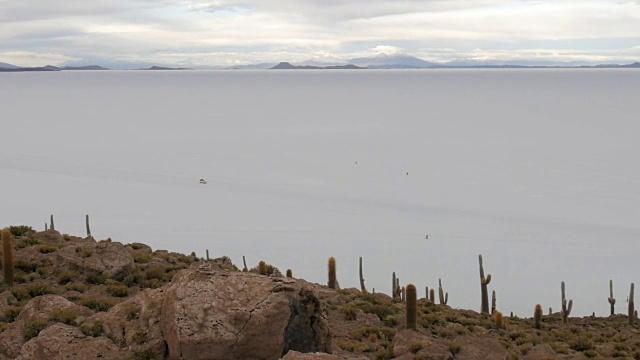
202	33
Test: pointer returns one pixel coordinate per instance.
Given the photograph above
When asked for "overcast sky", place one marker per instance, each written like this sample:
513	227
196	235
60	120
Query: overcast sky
233	32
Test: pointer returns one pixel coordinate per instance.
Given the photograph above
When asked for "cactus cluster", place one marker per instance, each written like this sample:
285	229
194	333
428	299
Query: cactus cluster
444	299
566	310
7	256
484	281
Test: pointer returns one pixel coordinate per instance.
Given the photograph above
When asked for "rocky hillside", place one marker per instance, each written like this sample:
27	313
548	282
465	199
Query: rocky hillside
77	298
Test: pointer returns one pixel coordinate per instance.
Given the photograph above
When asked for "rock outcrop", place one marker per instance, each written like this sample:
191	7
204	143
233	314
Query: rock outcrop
108	258
208	314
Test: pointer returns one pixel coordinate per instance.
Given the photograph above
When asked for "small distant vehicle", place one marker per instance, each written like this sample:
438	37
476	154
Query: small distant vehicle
203	181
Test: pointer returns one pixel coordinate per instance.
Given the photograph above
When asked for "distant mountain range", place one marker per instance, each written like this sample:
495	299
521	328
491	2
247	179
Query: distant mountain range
380	61
288	66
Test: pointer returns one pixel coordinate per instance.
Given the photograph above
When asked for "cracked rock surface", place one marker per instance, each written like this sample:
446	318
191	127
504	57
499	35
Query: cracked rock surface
212	314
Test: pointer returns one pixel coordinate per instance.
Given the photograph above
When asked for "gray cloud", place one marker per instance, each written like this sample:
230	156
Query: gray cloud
226	32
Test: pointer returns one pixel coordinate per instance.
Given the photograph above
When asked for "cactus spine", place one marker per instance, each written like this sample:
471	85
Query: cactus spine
444	299
566	310
483	286
262	268
7	256
632	315
412	306
86	220
362	288
52	227
332	274
537	316
289	273
612	300
493	301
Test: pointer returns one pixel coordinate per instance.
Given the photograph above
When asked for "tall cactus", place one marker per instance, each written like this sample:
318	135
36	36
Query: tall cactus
444	299
262	268
566	310
7	256
483	286
86	220
393	286
432	296
493	301
632	315
612	300
362	288
537	316
333	282
412	306
426	292
289	273
52	226
499	320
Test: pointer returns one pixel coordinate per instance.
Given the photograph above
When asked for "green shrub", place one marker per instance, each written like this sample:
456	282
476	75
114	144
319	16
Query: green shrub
142	258
65	316
350	312
79	287
20	293
96	329
96	279
97	303
27	267
581	343
30	240
118	290
40	288
10	313
21	230
145	354
139	337
32	328
132	311
66	277
415	347
454	348
46	249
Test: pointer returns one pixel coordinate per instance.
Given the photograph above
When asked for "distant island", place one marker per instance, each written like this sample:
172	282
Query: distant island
380	61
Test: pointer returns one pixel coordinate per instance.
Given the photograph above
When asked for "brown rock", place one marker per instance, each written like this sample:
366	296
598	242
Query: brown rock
233	315
109	258
135	323
294	355
480	348
61	341
431	349
38	309
540	351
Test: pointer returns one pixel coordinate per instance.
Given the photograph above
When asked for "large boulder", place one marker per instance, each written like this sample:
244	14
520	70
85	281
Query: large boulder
66	342
108	258
430	348
216	314
38	310
480	348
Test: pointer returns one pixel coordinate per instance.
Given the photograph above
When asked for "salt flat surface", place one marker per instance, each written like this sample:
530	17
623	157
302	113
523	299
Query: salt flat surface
535	169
